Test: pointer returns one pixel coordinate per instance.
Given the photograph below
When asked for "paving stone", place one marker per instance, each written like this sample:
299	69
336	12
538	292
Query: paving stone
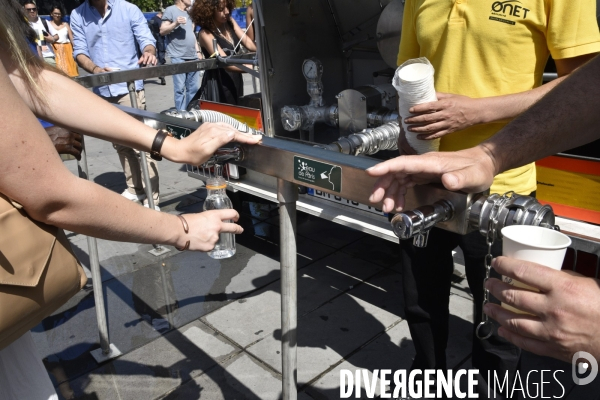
141	305
327	335
157	368
393	350
383	290
259	315
238	378
118	258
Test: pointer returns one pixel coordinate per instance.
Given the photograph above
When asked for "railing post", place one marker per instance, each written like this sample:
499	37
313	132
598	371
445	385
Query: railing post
107	350
287	195
158	249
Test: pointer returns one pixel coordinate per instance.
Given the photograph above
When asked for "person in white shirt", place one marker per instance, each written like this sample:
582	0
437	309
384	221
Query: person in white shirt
63	46
45	31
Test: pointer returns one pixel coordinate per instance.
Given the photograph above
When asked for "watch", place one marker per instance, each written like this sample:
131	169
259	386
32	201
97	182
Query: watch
159	139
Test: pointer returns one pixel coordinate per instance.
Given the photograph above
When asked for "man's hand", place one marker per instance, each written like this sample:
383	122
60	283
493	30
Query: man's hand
197	148
566	311
100	70
471	170
449	114
65	141
147	58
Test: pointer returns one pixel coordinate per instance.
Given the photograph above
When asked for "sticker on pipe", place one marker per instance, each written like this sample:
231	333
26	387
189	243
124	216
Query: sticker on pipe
319	174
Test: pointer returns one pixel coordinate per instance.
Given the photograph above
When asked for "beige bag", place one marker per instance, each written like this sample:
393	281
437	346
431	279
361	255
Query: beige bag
38	271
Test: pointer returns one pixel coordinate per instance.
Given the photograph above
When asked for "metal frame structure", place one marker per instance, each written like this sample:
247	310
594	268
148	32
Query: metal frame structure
355	186
273	162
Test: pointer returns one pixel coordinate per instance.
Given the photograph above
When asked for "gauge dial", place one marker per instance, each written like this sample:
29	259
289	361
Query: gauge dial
311	69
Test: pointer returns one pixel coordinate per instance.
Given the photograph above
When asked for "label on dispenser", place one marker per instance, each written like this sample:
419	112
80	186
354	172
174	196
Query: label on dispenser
178	132
316	173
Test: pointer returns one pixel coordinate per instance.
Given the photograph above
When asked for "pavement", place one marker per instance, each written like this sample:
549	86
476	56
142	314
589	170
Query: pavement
191	327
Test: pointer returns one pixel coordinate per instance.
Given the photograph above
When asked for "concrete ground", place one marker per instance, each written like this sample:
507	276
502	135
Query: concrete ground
192	327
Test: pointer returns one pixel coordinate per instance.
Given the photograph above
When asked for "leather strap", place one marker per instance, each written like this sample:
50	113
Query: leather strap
159	139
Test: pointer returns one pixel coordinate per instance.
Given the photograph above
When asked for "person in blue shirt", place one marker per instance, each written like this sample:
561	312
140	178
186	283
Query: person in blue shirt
106	37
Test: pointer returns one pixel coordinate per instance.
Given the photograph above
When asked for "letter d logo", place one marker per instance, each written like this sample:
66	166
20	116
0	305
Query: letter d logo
582	368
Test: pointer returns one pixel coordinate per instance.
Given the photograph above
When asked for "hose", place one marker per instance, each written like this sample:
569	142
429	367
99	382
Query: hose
212	116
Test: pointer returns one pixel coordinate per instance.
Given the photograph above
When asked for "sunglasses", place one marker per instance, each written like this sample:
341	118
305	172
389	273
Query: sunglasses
31	9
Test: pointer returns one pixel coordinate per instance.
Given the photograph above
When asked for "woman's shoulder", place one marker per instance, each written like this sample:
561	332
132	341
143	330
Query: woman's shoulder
205	33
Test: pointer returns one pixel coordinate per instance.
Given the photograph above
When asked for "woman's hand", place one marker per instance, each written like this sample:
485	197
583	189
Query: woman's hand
197	148
449	114
205	227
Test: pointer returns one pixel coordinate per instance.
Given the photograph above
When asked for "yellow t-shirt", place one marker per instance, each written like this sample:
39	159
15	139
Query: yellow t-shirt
492	48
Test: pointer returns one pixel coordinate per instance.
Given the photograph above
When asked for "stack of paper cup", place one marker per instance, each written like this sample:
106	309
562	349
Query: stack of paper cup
535	244
414	82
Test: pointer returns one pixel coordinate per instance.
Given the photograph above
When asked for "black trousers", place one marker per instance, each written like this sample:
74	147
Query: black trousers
160	50
427	274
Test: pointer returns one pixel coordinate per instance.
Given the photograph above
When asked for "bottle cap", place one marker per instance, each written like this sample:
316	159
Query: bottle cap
216	185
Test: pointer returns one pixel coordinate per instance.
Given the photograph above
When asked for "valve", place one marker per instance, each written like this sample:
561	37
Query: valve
417	223
223	155
502	210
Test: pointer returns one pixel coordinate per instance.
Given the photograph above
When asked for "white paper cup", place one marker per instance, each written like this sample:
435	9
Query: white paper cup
535	244
413	81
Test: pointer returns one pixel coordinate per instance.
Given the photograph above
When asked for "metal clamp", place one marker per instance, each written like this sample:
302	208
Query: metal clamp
512	209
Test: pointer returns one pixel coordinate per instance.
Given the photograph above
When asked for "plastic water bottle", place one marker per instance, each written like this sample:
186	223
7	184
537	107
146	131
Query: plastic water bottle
216	199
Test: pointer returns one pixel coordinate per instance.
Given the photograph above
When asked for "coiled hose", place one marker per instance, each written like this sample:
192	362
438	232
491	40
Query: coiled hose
211	116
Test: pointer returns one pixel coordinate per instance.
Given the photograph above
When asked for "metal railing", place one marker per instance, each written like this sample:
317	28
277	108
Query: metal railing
108	350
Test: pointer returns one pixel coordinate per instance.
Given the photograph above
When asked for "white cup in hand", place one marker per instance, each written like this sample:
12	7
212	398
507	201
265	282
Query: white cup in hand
534	244
182	20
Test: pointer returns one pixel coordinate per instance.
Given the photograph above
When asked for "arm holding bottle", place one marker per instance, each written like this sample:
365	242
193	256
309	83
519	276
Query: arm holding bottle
35	176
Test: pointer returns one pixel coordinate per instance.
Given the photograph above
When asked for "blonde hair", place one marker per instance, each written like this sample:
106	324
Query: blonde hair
14	29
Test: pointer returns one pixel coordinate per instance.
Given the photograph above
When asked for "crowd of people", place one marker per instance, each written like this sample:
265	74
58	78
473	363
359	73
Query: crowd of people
110	35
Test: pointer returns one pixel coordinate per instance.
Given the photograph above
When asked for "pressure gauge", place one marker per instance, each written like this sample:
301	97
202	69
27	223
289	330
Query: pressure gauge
312	69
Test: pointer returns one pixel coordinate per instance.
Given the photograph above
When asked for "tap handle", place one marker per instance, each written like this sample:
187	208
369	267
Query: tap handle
417	223
223	155
421	239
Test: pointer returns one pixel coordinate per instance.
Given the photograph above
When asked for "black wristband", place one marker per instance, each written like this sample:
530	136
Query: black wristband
159	139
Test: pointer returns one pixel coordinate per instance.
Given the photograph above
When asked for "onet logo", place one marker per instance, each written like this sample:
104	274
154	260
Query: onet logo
509	7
